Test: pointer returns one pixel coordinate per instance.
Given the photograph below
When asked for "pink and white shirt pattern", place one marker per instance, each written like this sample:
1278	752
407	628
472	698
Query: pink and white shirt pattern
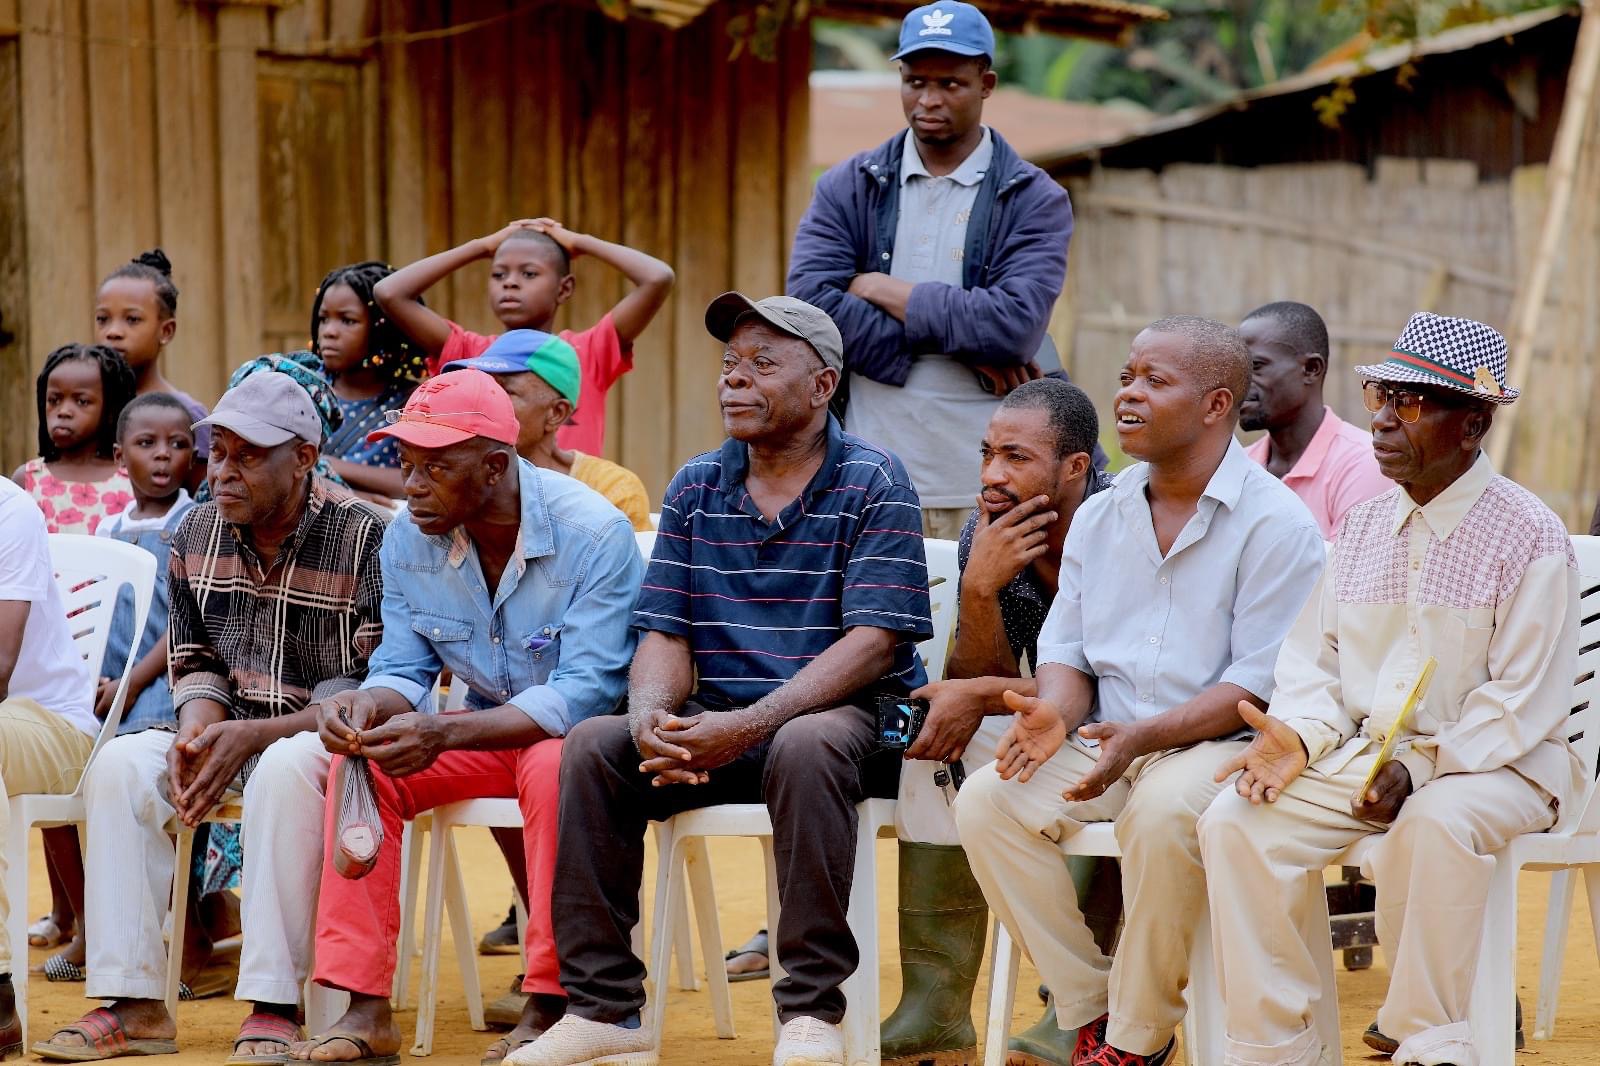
1482	578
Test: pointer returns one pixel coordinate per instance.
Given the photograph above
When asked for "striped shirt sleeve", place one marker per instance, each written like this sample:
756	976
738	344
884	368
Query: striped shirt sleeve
886	577
663	603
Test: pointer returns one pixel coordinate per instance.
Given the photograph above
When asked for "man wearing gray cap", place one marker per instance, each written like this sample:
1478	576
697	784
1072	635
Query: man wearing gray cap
275	594
788	579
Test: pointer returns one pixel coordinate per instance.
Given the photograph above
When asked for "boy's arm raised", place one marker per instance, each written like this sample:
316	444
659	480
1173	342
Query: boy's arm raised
652	279
400	293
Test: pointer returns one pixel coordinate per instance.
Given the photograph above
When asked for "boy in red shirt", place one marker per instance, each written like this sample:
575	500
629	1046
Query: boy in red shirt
529	280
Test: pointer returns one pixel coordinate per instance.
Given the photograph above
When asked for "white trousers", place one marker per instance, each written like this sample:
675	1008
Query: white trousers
1437	852
128	868
925	813
1013	834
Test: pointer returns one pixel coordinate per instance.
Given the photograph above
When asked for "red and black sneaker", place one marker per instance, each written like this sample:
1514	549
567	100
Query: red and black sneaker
1110	1056
1091	1038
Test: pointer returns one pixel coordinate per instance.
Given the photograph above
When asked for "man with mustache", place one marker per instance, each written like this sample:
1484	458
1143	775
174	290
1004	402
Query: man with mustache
1324	459
1175	590
940	255
1456	563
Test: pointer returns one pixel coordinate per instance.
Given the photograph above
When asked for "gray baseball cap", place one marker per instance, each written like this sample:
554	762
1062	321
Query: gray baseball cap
267	409
794	317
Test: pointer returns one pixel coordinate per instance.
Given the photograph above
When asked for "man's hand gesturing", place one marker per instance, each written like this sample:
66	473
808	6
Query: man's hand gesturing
1036	733
1274	759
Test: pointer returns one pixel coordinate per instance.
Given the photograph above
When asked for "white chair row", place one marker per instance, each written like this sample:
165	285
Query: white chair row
1572	845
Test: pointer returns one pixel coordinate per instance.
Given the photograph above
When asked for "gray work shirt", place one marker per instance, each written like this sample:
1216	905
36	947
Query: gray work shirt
936	421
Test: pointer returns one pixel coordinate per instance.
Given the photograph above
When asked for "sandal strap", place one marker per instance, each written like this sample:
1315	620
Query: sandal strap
266	1026
101	1029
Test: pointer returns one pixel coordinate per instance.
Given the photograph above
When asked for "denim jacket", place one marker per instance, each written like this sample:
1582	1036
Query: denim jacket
555	641
154	705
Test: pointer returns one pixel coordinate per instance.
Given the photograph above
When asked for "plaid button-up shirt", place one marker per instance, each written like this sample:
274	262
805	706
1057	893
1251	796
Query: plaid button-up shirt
267	641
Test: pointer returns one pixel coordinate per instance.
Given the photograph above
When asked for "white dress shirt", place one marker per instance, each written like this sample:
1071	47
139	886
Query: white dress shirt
1482	578
1155	631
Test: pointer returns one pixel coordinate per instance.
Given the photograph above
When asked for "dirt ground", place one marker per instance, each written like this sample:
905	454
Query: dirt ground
206	1028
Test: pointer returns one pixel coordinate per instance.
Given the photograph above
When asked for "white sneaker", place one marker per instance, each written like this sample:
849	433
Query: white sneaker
575	1041
809	1041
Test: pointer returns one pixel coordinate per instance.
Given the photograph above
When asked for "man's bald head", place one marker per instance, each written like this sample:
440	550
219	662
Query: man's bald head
1215	350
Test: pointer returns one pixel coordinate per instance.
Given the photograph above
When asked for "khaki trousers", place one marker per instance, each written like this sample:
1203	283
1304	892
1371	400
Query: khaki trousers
926	813
40	752
1437	852
1014	835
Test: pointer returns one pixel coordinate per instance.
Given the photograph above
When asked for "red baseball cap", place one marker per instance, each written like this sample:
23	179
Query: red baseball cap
452	408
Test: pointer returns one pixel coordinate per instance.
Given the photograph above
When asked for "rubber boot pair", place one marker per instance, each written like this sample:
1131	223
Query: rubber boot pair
1099	885
943	926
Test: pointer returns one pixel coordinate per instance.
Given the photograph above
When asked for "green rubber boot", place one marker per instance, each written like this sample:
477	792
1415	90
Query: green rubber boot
1099	884
943	924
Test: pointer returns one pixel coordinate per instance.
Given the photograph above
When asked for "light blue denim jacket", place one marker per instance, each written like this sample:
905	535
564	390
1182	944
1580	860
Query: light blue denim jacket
555	641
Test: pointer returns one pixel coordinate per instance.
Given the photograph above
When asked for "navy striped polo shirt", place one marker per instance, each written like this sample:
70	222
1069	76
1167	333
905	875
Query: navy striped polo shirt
758	600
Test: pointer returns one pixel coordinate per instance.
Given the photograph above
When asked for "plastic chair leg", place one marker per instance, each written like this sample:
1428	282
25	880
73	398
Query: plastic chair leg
774	916
669	882
410	878
455	901
1005	962
324	1006
862	1035
17	920
1493	1006
180	915
697	867
1558	916
432	933
1203	1025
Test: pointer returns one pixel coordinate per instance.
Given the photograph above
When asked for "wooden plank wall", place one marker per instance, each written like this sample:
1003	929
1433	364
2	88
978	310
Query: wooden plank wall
140	124
1220	241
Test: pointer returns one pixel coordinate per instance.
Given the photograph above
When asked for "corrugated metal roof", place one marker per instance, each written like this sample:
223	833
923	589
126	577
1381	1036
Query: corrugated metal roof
1101	20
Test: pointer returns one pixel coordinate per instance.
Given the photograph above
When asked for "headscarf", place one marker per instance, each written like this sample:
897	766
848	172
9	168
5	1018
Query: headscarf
306	370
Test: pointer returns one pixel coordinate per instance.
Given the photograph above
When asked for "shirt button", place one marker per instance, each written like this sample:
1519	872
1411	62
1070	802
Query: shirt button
435	630
497	639
1163	581
504	693
1145	697
1416	565
884	257
1399	686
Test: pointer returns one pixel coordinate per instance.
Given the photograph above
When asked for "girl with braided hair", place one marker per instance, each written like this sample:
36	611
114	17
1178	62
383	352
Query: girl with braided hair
372	367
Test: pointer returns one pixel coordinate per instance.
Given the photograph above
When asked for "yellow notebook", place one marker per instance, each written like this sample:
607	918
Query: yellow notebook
1419	688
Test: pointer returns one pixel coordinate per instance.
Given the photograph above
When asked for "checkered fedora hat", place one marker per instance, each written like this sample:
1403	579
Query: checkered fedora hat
1455	353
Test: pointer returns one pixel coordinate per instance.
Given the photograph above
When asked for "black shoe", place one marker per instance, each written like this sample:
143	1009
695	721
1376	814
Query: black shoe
1388	1046
501	940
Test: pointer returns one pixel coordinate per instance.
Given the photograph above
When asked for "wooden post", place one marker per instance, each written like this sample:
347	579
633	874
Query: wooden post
1528	305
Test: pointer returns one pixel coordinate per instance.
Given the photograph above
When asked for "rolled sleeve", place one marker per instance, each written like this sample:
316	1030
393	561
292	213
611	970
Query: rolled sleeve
1278	572
886	575
597	638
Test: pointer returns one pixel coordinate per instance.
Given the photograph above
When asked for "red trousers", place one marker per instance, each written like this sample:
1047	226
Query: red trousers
358	922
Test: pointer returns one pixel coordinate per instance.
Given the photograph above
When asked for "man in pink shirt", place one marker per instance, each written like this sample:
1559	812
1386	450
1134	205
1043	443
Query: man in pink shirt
1326	461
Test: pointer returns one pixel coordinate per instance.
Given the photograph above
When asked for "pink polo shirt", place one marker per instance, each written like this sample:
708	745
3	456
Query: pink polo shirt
1337	471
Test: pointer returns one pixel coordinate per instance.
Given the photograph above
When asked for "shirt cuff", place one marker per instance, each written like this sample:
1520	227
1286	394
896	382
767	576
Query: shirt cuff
1070	654
1418	763
409	690
1318	737
202	686
546	706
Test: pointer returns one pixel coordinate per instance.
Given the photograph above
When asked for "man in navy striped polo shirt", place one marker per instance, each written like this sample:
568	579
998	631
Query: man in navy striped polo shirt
787	589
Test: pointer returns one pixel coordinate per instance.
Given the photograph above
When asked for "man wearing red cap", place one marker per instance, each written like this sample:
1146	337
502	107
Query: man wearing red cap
521	583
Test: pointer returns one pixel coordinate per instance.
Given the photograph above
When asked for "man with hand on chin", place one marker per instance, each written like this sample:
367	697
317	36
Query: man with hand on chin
1175	590
1457	563
275	591
521	583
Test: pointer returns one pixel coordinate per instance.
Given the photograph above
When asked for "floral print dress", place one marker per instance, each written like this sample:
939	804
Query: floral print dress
75	506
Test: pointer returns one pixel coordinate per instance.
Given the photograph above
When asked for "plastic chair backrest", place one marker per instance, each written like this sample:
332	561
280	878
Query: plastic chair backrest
944	582
91	572
647	543
1583	723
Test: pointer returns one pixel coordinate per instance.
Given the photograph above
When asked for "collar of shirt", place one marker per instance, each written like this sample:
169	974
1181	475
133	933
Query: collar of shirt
315	499
1445	511
535	538
1310	461
970	172
735	459
1224	489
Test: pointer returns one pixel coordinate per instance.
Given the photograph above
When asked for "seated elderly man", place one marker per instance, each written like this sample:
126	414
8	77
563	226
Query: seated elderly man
521	583
789	577
1458	564
47	723
275	592
1176	588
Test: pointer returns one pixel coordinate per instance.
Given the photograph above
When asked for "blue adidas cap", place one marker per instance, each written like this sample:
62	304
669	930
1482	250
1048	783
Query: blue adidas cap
947	26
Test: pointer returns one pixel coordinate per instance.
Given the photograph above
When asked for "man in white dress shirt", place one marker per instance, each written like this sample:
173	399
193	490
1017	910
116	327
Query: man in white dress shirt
1176	588
1457	563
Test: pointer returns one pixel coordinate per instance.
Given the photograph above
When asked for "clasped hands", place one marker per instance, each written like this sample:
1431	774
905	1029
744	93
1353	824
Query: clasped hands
682	750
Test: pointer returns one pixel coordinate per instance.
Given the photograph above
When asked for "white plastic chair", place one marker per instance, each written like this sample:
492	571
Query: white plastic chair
90	572
1572	845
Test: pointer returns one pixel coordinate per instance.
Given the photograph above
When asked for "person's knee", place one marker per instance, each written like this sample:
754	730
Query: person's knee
978	806
594	740
295	766
1159	819
123	770
810	748
1224	830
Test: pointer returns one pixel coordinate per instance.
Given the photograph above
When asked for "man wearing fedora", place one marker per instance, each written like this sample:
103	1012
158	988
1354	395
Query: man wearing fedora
1456	563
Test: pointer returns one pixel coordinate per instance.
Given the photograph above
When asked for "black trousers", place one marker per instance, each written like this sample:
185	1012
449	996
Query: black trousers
810	775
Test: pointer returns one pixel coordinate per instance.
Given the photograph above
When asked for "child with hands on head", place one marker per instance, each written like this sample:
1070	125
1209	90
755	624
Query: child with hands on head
530	278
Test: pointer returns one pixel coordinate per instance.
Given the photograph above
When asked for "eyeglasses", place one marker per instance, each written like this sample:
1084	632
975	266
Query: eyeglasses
392	417
1407	404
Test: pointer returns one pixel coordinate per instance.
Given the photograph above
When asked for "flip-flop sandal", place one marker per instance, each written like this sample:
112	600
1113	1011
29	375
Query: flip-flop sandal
103	1038
368	1058
45	933
263	1026
504	1046
756	945
57	968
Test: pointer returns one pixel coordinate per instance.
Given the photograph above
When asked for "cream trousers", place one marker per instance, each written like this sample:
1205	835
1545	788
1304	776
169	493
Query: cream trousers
1014	835
40	752
1437	853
